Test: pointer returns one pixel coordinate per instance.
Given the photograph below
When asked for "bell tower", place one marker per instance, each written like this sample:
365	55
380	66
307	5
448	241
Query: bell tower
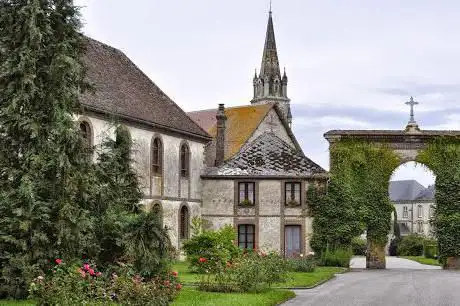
269	85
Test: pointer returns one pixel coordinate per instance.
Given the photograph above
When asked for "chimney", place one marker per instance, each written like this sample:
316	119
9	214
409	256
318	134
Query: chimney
220	136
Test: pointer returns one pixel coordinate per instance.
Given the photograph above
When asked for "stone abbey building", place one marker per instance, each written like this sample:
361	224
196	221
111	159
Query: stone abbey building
239	165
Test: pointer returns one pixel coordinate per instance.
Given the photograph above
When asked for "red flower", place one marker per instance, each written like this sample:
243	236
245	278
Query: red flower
178	286
91	272
58	261
202	259
174	273
98	274
86	267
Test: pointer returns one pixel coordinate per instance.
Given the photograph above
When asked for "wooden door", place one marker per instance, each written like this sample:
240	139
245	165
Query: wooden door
292	240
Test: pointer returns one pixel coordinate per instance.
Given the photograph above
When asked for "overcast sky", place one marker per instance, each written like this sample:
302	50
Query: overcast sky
351	64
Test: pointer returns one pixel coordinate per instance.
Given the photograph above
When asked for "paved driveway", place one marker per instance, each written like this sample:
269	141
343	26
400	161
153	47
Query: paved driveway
397	286
393	263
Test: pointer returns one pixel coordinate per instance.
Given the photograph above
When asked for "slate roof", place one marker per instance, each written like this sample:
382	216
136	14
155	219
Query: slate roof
123	89
409	190
241	123
268	155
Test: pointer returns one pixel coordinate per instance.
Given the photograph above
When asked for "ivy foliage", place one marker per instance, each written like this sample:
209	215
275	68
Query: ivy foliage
357	196
442	156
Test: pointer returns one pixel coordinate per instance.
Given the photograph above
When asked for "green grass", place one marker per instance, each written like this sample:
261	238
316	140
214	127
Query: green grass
295	279
310	279
423	260
190	296
13	302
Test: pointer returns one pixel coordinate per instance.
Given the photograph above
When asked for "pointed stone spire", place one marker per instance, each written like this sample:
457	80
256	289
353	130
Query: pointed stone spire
270	65
269	85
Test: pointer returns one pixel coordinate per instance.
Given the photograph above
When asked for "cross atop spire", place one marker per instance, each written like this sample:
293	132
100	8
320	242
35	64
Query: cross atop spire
412	124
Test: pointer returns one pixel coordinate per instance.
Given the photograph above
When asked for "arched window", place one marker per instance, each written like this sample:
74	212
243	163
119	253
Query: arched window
184	160
157	157
86	133
184	220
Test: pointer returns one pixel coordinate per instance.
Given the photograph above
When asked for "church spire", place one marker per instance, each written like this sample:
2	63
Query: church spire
269	85
270	65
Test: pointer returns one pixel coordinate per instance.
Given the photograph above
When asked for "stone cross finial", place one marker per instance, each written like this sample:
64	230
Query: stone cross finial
411	103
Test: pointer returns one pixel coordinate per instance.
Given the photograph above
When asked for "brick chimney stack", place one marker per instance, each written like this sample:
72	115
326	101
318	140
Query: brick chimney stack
220	136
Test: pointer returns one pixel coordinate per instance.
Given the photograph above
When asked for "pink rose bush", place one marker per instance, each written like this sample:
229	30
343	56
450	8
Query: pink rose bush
85	284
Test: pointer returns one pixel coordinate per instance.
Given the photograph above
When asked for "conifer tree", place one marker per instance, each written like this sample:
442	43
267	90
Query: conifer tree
44	170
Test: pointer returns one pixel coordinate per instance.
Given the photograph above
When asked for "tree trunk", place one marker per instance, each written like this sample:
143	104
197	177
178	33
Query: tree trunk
375	255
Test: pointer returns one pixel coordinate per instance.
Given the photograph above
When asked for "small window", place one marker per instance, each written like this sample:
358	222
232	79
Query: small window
405	212
184	219
85	131
157	157
292	194
420	227
420	211
184	161
246	193
246	236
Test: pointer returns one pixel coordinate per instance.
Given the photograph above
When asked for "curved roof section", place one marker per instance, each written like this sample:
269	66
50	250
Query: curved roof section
268	155
121	88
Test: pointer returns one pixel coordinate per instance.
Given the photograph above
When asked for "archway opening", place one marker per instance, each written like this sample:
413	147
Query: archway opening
411	191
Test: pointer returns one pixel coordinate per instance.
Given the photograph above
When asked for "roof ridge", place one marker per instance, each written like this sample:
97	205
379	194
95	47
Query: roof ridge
233	107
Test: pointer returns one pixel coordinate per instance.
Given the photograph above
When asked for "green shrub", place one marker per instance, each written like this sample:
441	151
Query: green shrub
83	284
250	272
411	245
336	258
301	264
211	250
359	246
431	251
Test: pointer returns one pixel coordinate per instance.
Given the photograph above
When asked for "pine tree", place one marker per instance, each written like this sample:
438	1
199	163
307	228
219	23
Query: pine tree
45	184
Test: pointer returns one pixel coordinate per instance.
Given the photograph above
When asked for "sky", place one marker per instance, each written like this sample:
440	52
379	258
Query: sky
351	64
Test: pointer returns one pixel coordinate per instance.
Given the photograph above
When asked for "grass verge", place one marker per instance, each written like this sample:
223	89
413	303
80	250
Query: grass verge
423	260
191	296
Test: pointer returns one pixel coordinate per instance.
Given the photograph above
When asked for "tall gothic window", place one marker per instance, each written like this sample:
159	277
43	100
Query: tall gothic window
184	221
86	133
184	160
157	157
405	212
420	211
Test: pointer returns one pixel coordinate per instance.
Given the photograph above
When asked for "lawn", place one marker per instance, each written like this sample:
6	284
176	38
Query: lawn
295	279
190	296
423	260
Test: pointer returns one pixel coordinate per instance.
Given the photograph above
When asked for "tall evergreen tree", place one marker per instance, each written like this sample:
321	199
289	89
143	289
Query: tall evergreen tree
44	182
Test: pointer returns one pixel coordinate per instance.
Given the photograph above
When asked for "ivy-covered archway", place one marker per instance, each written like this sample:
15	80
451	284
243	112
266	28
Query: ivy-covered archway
361	163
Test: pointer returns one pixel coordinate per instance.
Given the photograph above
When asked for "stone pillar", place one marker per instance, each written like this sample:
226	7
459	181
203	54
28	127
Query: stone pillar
220	136
452	263
375	256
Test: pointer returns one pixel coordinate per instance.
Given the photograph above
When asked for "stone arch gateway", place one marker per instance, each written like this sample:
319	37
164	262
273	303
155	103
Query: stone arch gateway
407	145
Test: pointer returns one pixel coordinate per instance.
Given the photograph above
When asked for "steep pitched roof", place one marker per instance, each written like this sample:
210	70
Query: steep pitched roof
241	123
268	155
427	193
405	190
121	88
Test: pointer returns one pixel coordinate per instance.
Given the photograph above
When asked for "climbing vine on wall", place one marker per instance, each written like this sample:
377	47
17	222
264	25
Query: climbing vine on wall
357	196
442	156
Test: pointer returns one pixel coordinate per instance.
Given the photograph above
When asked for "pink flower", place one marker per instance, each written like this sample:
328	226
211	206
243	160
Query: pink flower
178	286
174	273
82	273
98	274
86	267
91	272
58	261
